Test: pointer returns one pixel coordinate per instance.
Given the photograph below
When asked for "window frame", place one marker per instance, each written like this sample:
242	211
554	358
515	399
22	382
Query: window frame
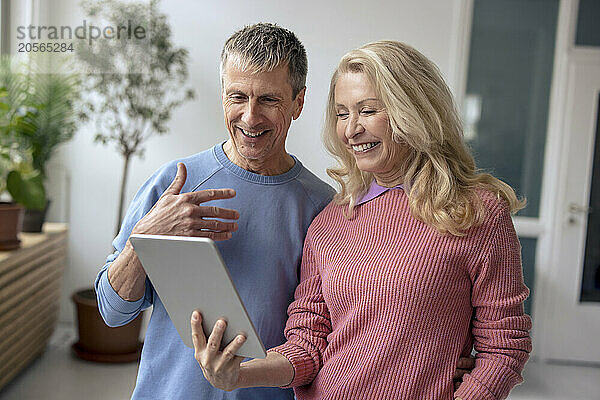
4	27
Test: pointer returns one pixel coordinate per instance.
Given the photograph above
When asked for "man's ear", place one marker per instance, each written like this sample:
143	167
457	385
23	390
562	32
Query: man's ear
299	101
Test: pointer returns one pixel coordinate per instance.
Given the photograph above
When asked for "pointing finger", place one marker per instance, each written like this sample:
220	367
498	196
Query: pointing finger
179	180
202	196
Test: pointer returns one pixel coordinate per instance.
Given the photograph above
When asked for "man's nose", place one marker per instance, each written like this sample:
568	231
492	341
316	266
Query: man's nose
251	116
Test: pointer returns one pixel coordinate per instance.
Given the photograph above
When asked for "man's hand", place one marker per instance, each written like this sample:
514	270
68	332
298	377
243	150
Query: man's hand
220	368
177	214
181	214
463	366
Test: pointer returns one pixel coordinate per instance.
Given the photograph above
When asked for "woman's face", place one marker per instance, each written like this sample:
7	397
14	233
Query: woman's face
363	126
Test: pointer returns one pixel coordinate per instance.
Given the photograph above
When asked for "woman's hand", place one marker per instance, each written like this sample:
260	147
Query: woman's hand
463	366
220	368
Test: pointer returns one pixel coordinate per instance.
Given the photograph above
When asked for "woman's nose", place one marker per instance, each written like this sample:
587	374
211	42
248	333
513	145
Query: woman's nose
354	127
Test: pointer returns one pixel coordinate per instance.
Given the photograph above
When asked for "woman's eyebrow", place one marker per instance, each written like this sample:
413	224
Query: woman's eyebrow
360	102
369	99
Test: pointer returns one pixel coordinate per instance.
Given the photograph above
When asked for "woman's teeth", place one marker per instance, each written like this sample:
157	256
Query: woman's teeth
252	134
365	146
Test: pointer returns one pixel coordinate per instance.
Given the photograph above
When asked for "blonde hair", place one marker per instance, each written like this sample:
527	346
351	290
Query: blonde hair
440	176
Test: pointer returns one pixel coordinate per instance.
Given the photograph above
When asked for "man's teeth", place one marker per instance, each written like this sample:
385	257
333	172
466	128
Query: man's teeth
365	146
252	134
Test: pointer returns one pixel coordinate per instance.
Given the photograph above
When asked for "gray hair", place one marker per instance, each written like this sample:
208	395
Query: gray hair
263	47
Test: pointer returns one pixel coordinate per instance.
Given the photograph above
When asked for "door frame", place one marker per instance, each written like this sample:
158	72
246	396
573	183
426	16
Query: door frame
569	237
544	228
556	162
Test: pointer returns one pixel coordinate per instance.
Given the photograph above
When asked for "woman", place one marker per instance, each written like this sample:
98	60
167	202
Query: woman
414	262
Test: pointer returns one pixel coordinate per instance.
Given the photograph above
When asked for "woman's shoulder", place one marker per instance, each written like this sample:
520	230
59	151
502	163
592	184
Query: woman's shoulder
495	207
492	200
332	210
332	214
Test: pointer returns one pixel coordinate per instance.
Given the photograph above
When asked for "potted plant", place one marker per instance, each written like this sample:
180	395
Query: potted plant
132	88
135	84
20	184
49	118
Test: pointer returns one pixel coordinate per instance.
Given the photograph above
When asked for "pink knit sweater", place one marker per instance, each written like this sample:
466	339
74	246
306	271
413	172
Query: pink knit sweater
386	305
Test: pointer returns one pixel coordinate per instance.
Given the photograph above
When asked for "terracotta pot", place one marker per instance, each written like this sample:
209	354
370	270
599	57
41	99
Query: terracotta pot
11	219
99	342
33	220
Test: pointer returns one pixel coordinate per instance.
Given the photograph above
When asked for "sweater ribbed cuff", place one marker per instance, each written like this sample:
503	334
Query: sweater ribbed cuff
471	389
114	300
489	381
304	369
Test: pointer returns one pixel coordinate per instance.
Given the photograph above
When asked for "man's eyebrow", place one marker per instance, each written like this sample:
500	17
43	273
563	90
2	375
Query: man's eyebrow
230	91
274	95
234	91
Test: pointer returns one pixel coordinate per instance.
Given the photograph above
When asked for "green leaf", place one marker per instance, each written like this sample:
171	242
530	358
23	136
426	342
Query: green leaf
27	191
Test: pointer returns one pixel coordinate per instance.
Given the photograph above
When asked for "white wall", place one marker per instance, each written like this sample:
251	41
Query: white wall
86	176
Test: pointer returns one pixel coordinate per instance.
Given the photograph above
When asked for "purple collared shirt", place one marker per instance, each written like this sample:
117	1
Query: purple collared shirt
374	191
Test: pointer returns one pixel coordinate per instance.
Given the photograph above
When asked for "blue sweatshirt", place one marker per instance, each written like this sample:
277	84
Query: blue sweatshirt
263	257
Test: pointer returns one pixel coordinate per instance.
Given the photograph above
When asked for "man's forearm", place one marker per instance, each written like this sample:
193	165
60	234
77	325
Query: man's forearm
273	371
126	275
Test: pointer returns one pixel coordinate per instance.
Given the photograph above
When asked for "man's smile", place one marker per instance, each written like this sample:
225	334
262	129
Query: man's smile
253	134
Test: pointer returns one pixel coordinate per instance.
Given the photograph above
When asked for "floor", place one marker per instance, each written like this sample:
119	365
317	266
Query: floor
57	375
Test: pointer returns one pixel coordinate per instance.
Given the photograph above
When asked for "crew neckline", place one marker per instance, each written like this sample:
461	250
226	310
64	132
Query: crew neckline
235	169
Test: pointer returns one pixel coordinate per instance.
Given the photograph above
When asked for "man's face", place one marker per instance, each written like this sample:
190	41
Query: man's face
258	110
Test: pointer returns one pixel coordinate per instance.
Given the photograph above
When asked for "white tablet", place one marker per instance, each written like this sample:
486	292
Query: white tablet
188	273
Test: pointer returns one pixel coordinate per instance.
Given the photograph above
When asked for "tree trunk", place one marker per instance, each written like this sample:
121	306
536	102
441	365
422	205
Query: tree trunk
122	194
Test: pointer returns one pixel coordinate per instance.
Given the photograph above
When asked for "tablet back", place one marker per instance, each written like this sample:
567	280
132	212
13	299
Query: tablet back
188	273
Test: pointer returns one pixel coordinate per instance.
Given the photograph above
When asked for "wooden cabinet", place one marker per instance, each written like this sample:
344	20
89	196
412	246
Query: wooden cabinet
30	280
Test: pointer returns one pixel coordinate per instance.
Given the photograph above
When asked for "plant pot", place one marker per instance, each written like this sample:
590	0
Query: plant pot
99	342
33	220
11	219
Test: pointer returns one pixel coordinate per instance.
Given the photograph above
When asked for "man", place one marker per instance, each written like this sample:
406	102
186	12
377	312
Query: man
273	198
263	73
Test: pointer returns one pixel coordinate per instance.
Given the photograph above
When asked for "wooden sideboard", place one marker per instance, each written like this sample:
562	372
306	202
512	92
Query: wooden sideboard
30	280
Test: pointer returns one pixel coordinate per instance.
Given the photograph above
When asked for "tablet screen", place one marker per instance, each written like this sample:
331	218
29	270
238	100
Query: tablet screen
188	273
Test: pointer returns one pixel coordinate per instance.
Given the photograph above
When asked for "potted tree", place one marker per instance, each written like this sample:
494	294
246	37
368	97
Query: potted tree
20	184
135	84
47	101
132	88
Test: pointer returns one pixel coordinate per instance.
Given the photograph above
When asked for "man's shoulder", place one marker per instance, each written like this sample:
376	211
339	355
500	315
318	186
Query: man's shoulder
316	189
198	162
199	167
